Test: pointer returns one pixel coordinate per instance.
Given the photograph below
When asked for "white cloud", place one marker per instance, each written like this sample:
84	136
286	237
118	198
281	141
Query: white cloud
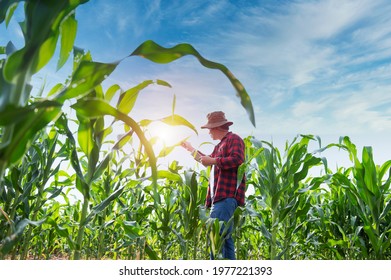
356	112
359	110
307	108
301	40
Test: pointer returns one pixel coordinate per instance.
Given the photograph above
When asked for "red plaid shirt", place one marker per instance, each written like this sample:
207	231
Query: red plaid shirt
229	154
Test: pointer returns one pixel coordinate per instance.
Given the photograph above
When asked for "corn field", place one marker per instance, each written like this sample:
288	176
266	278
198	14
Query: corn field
68	190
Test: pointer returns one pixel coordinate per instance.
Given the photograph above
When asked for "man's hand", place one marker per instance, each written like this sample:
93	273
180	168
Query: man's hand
187	146
207	160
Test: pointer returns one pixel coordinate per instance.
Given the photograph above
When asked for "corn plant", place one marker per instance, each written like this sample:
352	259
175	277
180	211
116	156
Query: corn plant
26	188
367	188
280	184
192	213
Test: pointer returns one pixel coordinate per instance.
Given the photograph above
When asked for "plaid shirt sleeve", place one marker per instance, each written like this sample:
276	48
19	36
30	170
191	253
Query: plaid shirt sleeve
229	154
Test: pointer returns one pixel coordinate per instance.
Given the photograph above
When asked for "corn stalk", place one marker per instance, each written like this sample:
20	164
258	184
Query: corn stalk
368	189
281	183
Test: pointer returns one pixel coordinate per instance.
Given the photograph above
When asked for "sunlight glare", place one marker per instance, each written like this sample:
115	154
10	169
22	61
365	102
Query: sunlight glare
167	134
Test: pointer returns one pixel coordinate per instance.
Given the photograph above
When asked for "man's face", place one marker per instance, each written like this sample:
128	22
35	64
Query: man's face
213	133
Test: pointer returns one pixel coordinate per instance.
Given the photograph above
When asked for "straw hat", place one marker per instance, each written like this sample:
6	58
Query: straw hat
216	119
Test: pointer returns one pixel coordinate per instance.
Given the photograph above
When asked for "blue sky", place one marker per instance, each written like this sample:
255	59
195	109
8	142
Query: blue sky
311	67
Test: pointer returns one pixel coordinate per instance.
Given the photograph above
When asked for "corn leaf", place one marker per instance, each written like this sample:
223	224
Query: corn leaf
111	92
87	76
85	137
25	130
13	238
68	35
165	174
128	98
178	120
156	53
101	206
7	9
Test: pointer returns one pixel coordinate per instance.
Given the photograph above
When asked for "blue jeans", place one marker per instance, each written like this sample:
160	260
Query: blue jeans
223	210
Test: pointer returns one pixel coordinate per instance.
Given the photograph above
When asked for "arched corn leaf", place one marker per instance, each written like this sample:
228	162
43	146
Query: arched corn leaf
156	53
93	108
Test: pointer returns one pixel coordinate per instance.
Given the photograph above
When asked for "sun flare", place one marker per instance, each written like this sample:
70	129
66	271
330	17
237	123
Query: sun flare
168	135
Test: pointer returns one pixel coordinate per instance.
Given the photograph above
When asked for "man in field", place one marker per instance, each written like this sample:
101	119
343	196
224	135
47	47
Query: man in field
223	193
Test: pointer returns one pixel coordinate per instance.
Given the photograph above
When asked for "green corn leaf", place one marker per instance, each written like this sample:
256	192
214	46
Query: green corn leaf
101	135
167	150
163	83
56	89
293	203
165	174
46	52
85	137
12	114
238	217
93	108
128	98
303	210
194	189
101	206
10	241
386	211
373	237
54	192
11	9
25	131
265	232
87	76
62	124
12	68
6	9
99	127
63	232
257	144
81	185
123	140
68	35
370	176
383	169
152	254
241	173
102	166
178	120
132	229
156	53
309	161
111	92
145	122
